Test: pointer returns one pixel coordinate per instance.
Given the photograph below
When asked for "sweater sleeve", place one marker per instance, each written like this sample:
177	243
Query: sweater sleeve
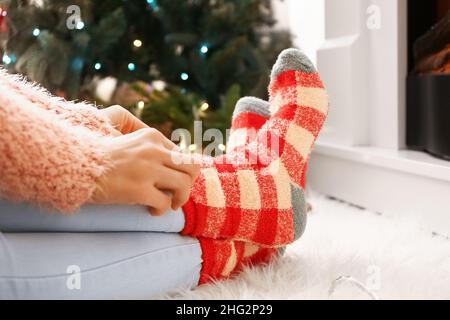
78	114
45	159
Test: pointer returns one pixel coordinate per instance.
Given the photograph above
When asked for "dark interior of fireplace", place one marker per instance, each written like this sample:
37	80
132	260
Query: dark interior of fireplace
422	16
428	100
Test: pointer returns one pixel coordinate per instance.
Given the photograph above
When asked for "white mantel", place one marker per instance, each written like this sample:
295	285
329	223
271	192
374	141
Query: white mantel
360	156
363	62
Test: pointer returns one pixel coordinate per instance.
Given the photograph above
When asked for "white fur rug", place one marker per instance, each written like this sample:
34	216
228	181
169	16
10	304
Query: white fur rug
347	253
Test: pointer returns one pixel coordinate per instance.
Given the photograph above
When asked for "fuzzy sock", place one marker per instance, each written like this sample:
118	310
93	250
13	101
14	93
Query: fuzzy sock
250	115
263	203
223	258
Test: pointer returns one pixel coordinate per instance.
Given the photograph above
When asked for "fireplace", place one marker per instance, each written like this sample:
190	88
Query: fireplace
428	89
365	154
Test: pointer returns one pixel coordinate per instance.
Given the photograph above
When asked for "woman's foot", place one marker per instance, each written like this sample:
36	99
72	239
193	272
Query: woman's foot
223	258
263	202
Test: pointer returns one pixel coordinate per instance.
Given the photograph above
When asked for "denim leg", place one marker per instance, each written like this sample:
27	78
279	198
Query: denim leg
96	266
28	218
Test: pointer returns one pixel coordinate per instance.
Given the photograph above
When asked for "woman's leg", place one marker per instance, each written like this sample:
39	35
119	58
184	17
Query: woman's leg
96	266
27	218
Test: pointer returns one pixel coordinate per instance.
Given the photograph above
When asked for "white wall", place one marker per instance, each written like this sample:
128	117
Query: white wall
360	49
306	21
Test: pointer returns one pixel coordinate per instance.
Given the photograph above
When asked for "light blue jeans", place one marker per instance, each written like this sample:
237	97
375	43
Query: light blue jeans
102	252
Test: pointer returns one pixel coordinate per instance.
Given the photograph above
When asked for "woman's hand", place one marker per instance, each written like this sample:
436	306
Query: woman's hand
147	168
123	120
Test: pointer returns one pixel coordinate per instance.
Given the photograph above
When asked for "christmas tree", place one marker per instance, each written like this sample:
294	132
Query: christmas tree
208	53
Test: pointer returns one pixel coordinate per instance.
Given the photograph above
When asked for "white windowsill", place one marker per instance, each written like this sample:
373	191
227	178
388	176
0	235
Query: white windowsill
394	183
413	162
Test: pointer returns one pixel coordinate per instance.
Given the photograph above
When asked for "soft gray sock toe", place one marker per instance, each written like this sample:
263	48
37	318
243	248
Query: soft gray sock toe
253	105
299	208
292	59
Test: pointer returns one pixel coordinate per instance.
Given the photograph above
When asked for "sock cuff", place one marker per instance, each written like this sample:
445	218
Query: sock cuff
190	217
209	259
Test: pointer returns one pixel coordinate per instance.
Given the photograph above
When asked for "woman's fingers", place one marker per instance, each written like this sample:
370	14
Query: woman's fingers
123	120
156	137
179	185
184	163
146	170
160	202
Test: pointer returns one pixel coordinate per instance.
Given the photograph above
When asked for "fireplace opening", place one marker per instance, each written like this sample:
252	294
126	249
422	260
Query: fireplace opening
422	16
428	100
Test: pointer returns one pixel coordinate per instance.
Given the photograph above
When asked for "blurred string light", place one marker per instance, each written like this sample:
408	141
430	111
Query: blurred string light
6	59
80	25
193	147
141	105
137	43
131	66
77	64
204	106
204	49
153	4
36	32
98	66
184	76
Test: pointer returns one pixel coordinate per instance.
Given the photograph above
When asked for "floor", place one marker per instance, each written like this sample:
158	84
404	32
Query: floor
346	253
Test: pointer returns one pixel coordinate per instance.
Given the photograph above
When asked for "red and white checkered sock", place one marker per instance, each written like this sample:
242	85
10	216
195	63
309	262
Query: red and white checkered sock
263	202
223	258
250	115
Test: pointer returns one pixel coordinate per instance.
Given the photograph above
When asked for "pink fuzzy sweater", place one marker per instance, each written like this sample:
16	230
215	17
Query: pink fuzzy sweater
50	149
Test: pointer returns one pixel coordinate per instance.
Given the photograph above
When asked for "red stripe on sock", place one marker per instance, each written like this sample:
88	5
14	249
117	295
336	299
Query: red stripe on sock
209	258
287	112
240	250
267	227
232	168
190	213
201	219
192	210
294	163
309	80
231	225
222	255
248	120
226	167
310	119
294	78
287	79
231	188
267	190
303	179
285	225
